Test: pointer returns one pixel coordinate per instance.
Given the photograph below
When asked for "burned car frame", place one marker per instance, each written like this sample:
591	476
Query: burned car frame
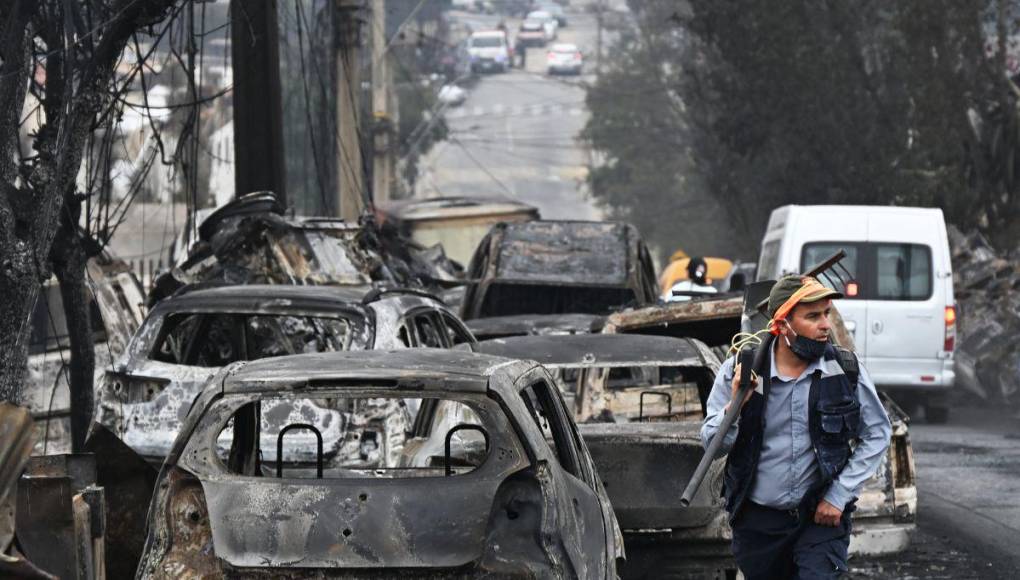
521	501
187	338
558	267
639	401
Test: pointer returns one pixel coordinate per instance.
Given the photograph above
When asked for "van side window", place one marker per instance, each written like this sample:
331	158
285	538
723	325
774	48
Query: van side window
769	261
903	272
815	253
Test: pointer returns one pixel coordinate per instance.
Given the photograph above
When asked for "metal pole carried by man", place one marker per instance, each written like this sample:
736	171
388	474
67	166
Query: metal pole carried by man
810	432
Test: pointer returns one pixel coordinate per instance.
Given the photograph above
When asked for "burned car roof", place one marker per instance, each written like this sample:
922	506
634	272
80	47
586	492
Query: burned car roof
573	252
446	207
254	296
424	368
535	324
589	350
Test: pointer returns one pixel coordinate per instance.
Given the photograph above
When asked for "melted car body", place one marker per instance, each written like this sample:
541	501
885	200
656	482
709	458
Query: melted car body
493	481
187	338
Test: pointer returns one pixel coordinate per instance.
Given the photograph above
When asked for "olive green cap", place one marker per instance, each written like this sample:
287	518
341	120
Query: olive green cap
787	286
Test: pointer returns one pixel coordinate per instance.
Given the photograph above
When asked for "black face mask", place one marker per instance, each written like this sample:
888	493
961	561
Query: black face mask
805	348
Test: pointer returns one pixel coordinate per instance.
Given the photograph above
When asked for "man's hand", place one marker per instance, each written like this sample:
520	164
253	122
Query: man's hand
735	386
827	514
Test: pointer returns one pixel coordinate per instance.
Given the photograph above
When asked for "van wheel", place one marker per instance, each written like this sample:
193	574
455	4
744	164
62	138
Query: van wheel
936	415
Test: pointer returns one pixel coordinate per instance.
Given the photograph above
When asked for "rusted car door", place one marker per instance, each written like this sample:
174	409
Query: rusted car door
574	491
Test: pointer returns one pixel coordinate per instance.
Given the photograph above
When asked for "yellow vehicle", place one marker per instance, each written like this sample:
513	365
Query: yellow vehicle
676	270
458	223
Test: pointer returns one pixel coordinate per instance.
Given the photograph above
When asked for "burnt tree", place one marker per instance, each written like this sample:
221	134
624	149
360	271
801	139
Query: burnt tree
63	55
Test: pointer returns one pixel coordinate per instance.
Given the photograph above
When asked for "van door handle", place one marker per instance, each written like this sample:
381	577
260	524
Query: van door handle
877	327
920	316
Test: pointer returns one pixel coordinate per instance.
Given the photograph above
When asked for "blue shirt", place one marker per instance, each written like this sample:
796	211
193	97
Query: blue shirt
787	467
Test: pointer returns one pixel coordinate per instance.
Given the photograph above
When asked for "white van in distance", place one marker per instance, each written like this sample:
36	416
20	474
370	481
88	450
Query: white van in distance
899	302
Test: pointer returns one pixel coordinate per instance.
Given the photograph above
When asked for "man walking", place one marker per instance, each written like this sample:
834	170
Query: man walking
809	435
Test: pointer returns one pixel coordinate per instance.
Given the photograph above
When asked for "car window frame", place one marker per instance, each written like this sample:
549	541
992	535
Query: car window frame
456	327
563	440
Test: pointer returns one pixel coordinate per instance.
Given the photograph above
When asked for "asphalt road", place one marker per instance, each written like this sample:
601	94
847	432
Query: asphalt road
516	135
968	479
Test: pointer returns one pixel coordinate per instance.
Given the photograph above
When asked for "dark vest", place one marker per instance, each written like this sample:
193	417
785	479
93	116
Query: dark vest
833	422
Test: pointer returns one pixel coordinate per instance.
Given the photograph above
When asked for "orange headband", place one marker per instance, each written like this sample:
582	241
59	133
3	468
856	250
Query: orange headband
811	286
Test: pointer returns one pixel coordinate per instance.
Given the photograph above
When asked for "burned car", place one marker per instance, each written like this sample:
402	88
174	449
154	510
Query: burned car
639	402
187	338
886	510
494	480
558	267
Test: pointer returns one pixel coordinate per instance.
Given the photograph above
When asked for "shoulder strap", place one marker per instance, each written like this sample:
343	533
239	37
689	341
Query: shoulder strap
848	362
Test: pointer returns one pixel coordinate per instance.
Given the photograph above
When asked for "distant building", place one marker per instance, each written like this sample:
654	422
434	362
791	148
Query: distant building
221	172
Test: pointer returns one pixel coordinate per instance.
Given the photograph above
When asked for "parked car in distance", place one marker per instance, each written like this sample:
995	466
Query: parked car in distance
187	338
549	23
452	95
532	33
899	305
556	10
489	51
564	59
492	481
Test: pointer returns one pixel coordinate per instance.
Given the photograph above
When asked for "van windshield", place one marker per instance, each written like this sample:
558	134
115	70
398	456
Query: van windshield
486	42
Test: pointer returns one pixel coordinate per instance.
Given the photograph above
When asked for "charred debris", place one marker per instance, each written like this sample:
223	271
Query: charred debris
356	452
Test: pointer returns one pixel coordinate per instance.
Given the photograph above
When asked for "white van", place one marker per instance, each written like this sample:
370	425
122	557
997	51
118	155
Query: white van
899	302
489	51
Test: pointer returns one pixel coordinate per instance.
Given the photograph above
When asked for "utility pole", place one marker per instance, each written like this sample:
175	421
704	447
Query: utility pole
350	169
258	118
600	8
383	111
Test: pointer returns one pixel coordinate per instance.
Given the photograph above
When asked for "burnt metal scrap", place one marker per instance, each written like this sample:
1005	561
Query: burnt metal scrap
251	240
986	285
61	516
510	508
534	324
117	309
